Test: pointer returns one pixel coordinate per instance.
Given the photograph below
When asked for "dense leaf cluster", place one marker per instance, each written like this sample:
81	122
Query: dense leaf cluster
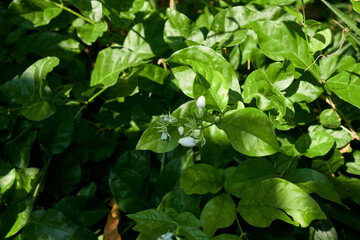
205	120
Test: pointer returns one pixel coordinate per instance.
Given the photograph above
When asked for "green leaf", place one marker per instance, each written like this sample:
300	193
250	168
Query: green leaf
320	40
226	28
293	11
17	214
187	219
356	5
284	40
344	17
49	224
110	62
329	166
314	144
257	85
20	149
48	44
219	212
201	56
84	211
144	38
33	13
354	167
277	198
247	174
192	233
151	139
127	187
281	75
201	179
178	200
56	133
346	85
217	151
335	64
313	181
330	119
226	237
250	132
39	111
89	8
180	31
347	187
152	220
304	88
88	33
7	180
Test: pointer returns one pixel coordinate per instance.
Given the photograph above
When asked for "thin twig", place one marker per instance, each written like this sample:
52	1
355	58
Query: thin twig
346	30
172	4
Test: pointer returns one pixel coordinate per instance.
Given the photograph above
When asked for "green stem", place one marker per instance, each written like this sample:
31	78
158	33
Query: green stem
96	94
42	178
288	166
238	223
74	13
162	163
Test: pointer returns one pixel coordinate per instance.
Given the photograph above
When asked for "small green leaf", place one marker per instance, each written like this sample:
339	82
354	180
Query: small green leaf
219	212
201	179
356	5
178	200
315	144
33	13
250	132
88	33
329	166
354	167
320	40
247	174
330	119
304	88
295	12
180	31
346	85
7	180
89	8
110	62
151	139
277	198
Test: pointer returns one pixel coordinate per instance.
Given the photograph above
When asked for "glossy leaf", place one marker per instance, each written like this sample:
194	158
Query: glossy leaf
346	85
178	200
33	13
304	88
110	62
151	139
7	180
250	132
180	31
247	174
354	167
329	118
89	8
313	181
329	166
219	212
201	56
320	40
89	33
277	198
315	144
284	40
201	179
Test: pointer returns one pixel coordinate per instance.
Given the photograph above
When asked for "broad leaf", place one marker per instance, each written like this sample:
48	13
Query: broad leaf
202	56
110	62
219	212
315	144
89	8
250	132
284	40
201	179
247	174
346	85
330	119
89	33
277	198
180	31
313	181
33	13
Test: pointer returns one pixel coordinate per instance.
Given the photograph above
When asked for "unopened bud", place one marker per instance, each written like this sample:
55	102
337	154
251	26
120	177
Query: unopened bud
187	142
181	130
200	103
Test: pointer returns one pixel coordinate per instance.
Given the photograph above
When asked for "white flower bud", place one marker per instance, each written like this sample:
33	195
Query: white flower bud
200	103
181	130
166	236
188	142
196	133
164	136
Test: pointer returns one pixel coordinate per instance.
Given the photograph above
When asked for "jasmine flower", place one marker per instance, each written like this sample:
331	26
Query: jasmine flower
166	236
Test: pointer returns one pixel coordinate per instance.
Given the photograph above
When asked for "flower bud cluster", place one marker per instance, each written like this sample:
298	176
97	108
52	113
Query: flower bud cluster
165	121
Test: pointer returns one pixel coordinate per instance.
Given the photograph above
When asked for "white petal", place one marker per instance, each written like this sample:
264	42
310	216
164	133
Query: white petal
200	103
187	142
181	130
